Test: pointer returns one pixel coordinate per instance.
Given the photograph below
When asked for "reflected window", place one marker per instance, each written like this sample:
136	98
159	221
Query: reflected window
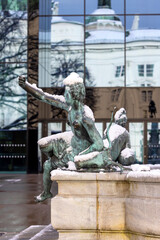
141	70
146	96
136	131
149	70
145	70
120	71
115	94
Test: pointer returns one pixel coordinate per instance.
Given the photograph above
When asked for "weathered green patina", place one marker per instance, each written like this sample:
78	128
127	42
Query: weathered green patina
83	145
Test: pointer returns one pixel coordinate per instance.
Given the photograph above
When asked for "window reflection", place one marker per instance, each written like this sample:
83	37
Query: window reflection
119	71
54	128
115	94
136	131
146	96
13	5
105	49
13	100
142	6
104	63
143	51
61	7
61	50
91	6
99	126
143	102
65	62
13	39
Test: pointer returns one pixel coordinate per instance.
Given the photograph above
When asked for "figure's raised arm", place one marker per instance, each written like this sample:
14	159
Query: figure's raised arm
55	100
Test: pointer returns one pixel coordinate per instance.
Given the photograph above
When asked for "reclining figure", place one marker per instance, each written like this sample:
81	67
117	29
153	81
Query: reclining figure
117	138
117	149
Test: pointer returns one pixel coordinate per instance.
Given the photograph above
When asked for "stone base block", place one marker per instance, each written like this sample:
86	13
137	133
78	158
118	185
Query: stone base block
106	206
110	235
92	235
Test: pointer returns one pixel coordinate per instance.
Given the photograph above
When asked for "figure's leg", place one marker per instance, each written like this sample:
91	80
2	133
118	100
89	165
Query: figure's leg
53	147
46	182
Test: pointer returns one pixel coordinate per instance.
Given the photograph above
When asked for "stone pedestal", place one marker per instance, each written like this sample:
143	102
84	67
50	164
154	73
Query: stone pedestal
102	206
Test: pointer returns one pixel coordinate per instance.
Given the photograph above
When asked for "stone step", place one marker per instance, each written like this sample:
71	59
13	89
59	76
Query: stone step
35	232
48	233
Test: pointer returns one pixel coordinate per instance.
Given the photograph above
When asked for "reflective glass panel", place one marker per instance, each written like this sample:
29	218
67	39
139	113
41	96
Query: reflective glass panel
14	7
61	50
99	126
136	131
104	7
68	128
13	100
13	150
142	6
13	118
54	128
106	99
153	141
143	102
39	151
13	40
61	7
143	51
105	51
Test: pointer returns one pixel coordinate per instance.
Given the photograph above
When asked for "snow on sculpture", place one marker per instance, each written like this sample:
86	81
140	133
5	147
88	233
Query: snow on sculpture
82	147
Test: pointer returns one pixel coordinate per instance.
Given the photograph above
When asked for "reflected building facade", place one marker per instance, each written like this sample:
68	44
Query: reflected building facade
121	65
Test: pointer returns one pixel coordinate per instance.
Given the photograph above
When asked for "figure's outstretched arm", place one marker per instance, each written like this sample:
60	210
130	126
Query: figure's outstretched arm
95	138
55	100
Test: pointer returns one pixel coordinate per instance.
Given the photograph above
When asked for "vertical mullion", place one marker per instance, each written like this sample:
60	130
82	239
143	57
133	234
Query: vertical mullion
125	99
84	46
145	147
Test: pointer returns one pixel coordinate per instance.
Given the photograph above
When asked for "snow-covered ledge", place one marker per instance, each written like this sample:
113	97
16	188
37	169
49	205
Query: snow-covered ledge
98	206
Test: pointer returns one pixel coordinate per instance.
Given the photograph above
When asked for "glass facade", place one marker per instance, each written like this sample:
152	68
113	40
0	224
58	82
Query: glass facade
13	100
113	45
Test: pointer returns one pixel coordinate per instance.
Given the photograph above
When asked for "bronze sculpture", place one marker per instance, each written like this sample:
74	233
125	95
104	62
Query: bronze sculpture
84	136
82	145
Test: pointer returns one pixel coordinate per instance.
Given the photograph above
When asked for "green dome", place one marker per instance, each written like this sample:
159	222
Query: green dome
93	18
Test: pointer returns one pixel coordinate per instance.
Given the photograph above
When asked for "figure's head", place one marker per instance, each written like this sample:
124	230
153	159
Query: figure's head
120	117
74	88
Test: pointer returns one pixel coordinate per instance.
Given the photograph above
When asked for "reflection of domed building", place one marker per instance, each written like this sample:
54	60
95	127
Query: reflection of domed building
105	42
110	52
